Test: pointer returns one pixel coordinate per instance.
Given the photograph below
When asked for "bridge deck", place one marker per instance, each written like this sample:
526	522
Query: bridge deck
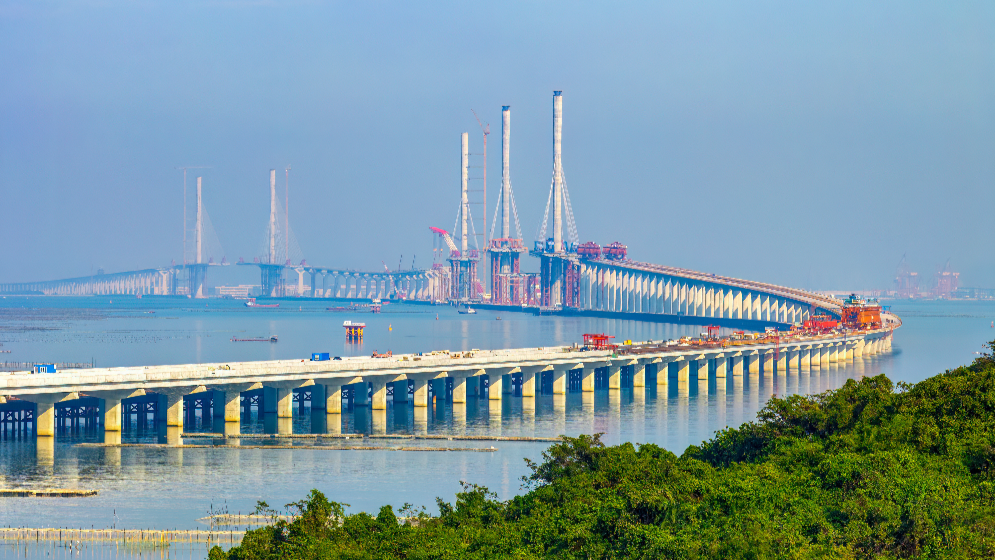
399	367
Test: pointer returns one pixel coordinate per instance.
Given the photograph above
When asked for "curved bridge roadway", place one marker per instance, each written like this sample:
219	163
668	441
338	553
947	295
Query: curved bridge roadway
644	288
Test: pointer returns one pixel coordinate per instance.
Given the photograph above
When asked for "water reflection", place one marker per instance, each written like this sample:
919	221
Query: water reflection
673	414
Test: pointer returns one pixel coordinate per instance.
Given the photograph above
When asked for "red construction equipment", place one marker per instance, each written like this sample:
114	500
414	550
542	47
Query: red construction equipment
598	342
453	251
859	314
820	323
615	252
590	251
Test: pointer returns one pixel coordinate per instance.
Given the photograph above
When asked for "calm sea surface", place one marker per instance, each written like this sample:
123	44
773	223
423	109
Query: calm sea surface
173	488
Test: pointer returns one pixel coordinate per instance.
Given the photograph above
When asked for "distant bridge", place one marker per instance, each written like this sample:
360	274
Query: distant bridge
422	285
573	277
151	281
636	287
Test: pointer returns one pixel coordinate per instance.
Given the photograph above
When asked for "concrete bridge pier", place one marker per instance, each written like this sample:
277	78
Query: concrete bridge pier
587	379
333	398
662	373
683	370
639	374
174	404
112	406
494	386
858	350
753	362
460	383
421	393
805	360
794	358
421	381
529	381
782	362
721	366
614	377
45	413
378	393
702	366
737	366
768	362
285	396
824	355
229	397
560	375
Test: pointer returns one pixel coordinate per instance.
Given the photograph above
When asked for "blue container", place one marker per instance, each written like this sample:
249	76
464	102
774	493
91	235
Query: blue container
43	368
319	356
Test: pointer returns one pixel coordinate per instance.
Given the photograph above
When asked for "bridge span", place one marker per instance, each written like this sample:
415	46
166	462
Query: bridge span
151	281
631	287
326	282
456	376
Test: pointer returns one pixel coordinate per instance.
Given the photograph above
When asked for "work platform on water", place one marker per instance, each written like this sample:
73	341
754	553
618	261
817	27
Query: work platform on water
486	374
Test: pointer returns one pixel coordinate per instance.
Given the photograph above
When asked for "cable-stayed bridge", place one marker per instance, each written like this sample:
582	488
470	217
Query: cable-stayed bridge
573	277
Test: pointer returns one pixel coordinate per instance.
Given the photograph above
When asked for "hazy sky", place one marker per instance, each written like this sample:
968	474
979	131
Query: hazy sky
802	143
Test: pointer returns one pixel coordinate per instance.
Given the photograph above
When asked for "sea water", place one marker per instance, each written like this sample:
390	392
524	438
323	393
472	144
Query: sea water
162	487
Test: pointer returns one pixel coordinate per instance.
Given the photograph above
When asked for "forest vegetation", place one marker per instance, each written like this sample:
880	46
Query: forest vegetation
870	470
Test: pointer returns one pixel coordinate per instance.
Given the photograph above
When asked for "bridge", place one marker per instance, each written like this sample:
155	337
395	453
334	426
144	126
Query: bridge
574	278
414	285
408	379
152	281
643	290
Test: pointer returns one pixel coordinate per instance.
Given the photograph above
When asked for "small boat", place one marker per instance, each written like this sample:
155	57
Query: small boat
466	310
252	303
261	339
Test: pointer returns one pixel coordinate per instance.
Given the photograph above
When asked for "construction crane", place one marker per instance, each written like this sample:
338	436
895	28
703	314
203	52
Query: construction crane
453	251
393	287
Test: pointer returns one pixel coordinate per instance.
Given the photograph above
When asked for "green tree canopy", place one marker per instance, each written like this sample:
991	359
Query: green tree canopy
869	470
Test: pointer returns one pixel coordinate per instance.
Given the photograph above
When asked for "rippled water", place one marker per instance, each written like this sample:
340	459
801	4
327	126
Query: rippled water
172	488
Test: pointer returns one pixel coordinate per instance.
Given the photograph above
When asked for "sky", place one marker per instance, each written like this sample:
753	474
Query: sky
809	144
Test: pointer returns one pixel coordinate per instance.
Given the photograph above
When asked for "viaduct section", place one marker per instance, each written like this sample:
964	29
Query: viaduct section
457	376
640	288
